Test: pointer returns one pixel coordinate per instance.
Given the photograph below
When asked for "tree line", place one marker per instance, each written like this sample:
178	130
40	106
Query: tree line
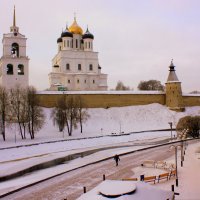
19	106
154	85
69	112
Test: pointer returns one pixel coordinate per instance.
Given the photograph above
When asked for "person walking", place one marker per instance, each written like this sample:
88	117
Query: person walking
117	159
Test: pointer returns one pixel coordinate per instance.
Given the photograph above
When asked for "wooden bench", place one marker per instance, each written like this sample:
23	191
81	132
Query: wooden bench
150	179
172	173
129	179
163	176
148	163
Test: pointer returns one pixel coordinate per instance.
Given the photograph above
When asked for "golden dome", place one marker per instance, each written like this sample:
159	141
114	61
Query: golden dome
75	28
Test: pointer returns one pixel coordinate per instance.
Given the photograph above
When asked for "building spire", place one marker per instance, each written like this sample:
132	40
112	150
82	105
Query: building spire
14	18
14	29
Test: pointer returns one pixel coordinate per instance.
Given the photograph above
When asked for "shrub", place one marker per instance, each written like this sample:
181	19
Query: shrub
190	123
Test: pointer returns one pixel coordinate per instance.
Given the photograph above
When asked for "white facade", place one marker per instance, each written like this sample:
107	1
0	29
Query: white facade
76	65
14	64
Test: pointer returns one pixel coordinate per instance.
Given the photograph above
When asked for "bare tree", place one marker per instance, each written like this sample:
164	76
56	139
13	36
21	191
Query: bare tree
3	110
151	85
36	117
68	112
120	86
17	109
58	114
82	112
195	92
72	114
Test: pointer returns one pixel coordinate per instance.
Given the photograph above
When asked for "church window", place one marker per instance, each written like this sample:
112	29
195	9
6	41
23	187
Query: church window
86	45
89	45
79	67
67	66
20	69
76	43
67	43
9	69
93	81
68	81
77	80
91	67
85	81
64	43
15	50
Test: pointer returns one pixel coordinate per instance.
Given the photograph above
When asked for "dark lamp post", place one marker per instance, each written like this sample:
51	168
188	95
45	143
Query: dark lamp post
170	123
176	148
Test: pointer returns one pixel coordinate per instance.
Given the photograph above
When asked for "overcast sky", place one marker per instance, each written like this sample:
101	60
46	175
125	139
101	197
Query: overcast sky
136	39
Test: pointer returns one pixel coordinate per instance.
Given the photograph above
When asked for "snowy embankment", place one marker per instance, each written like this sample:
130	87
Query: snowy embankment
107	121
102	122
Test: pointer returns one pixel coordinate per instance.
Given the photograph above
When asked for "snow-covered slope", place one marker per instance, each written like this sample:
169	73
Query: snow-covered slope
113	120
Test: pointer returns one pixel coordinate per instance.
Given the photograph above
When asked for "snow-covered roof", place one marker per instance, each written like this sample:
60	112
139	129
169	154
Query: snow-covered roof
101	92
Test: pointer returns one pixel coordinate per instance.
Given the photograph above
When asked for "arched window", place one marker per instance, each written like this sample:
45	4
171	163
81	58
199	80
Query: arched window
89	45
79	67
67	66
67	43
91	67
76	43
15	50
9	69
20	69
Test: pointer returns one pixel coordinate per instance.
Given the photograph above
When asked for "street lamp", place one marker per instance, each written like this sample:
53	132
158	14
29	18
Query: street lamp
175	147
170	123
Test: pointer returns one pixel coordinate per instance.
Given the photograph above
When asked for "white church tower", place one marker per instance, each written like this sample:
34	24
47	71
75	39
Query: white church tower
76	65
14	64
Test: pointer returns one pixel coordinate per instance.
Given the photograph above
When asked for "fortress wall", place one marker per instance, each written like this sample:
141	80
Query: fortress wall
191	100
105	100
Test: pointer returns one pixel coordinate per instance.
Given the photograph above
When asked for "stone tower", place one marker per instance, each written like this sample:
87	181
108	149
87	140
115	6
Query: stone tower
14	64
174	99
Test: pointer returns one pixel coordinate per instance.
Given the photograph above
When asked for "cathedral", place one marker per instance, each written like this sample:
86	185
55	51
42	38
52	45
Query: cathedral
14	63
76	67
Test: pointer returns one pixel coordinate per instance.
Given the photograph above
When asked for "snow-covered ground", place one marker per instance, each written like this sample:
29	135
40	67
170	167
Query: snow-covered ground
102	122
106	121
189	179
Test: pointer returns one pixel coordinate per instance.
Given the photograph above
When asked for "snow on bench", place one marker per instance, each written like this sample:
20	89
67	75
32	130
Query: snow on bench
150	179
148	163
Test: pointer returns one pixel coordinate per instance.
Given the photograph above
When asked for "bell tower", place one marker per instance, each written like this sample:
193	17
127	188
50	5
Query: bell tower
174	99
14	63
